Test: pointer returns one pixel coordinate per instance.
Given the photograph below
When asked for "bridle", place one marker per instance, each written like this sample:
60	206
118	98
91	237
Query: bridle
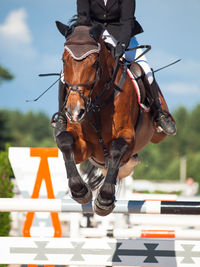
75	87
93	106
96	103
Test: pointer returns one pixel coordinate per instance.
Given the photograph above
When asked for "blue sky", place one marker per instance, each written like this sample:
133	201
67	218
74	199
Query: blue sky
30	44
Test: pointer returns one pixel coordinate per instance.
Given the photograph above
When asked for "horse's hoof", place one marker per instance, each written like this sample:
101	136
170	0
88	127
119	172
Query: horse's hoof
103	207
84	196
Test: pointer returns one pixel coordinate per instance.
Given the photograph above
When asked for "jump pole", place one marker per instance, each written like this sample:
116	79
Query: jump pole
100	252
121	206
138	232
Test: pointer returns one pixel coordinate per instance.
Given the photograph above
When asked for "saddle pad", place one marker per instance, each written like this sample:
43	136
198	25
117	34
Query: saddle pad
80	44
137	89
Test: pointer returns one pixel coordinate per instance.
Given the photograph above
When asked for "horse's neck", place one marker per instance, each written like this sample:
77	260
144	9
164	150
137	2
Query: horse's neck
107	64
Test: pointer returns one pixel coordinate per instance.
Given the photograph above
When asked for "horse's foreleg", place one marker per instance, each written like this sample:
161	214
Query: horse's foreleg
80	191
104	203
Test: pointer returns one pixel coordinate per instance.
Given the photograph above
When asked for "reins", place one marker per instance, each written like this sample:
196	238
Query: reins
94	106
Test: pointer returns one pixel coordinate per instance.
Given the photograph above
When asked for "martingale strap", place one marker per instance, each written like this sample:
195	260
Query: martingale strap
97	127
96	108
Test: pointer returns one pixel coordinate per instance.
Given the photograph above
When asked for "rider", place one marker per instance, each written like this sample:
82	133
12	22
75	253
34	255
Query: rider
120	27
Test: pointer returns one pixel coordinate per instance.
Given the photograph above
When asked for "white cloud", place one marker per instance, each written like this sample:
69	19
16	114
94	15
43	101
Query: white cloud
16	38
15	28
180	88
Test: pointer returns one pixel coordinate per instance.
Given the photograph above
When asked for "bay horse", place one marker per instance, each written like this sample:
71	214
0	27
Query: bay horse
104	122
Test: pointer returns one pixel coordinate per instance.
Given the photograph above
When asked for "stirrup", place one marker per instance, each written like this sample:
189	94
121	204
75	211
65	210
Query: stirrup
165	113
57	117
164	122
58	123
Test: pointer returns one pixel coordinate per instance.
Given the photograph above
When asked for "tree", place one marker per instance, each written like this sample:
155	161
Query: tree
29	129
162	161
5	136
5	75
5	131
6	187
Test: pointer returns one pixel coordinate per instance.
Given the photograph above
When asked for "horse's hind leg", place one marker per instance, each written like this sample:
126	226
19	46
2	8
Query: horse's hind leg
80	191
104	203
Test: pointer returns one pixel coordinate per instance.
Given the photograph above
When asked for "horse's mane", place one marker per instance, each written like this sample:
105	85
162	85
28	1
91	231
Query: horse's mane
81	19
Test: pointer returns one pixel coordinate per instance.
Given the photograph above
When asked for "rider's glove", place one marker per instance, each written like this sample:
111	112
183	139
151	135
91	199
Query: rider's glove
120	50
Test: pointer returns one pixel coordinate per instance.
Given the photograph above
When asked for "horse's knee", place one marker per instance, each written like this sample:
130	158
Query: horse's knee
64	141
118	147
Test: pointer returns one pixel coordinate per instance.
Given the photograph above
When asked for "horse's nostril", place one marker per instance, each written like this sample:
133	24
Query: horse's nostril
81	113
75	116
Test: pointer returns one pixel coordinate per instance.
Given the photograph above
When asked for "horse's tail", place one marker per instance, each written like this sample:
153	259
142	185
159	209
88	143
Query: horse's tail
94	176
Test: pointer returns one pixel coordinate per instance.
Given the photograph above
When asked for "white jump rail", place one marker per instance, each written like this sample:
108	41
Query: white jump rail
121	206
101	251
138	232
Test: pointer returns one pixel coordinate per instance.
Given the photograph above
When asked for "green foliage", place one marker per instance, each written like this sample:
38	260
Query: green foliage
5	131
5	75
6	188
26	129
155	164
162	161
193	166
158	192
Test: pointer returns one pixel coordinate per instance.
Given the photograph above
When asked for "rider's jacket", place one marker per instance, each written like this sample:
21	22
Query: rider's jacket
117	16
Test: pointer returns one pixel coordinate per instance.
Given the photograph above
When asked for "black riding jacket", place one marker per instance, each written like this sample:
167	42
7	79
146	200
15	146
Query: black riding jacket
118	17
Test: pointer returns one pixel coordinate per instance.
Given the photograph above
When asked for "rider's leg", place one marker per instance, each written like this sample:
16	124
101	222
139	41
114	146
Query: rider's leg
60	124
161	118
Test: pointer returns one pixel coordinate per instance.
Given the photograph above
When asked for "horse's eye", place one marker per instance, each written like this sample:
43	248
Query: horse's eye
95	64
63	61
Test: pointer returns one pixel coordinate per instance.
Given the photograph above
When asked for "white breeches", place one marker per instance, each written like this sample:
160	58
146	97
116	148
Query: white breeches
131	55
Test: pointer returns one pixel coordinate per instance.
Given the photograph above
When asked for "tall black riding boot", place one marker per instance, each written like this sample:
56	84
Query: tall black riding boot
59	121
161	118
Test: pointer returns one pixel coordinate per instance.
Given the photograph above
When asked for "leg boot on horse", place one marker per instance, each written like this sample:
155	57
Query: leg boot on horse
60	123
80	191
161	118
105	201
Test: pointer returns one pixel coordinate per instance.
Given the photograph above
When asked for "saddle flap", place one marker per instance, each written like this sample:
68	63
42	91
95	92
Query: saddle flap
136	78
80	44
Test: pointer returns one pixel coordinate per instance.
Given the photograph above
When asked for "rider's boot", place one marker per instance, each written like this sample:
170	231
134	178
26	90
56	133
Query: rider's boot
161	118
59	121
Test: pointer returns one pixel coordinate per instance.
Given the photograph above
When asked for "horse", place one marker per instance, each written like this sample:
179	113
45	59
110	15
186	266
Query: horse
105	122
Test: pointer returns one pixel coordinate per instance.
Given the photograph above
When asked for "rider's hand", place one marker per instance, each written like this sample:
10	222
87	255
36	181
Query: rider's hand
119	50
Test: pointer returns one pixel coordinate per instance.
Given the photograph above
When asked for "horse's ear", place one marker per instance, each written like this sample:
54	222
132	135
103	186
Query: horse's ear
63	29
96	32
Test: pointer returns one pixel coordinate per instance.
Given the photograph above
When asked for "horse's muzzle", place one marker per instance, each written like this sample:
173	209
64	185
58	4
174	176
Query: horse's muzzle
75	116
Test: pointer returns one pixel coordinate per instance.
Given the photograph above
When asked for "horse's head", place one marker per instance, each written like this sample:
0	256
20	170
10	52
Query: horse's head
82	69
